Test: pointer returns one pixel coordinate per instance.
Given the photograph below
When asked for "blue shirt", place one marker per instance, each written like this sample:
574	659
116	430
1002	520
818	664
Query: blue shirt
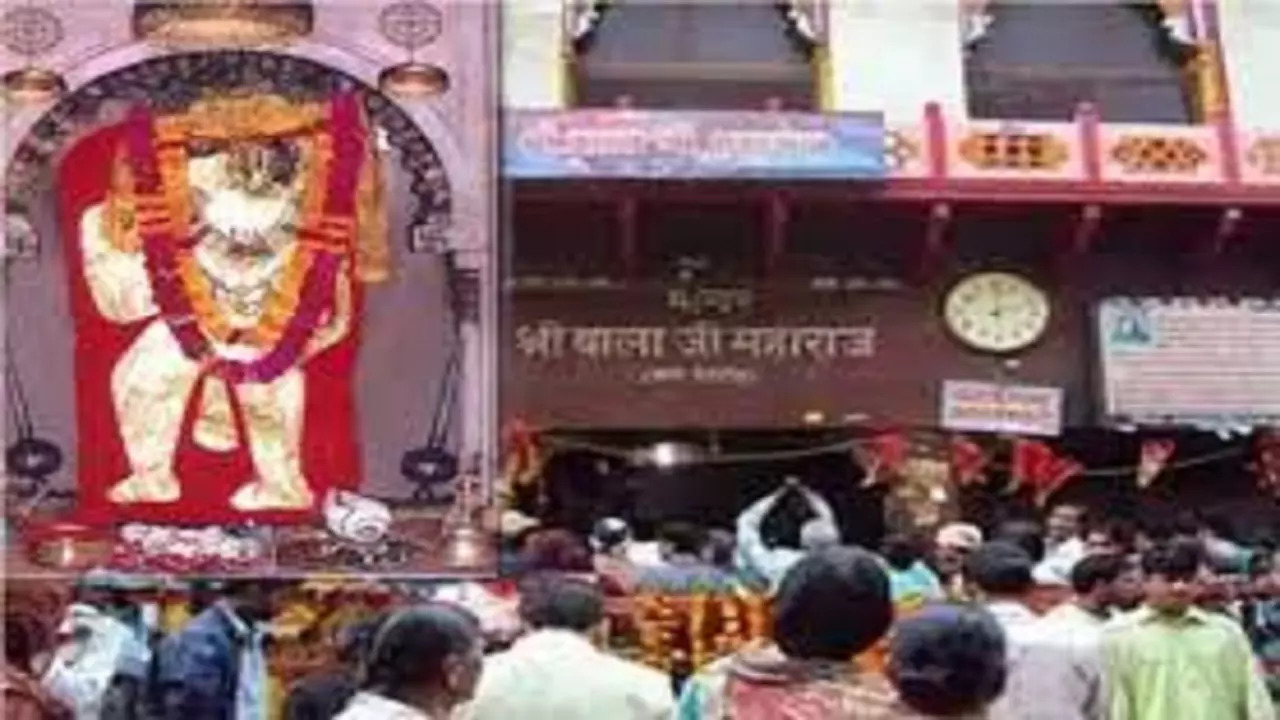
251	683
916	585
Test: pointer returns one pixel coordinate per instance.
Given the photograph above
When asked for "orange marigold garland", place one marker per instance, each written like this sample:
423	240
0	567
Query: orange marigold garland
699	643
681	633
282	300
157	164
523	457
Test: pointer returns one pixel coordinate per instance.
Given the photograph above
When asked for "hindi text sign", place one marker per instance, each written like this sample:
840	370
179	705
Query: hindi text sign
996	408
779	357
549	340
1191	361
627	144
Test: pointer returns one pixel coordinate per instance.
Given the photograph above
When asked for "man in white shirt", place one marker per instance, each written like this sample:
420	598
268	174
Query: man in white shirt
1068	654
757	560
499	617
96	649
556	673
1001	573
1063	545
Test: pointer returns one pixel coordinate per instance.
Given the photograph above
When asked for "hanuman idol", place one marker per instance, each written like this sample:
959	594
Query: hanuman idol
217	258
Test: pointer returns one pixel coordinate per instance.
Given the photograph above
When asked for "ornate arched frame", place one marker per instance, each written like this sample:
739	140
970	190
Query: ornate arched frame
1184	37
1177	19
804	21
452	214
424	148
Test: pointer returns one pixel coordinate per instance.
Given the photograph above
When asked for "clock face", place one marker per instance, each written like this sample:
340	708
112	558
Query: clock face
996	312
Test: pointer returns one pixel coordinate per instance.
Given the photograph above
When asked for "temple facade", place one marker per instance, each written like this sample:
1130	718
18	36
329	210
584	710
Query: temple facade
1028	245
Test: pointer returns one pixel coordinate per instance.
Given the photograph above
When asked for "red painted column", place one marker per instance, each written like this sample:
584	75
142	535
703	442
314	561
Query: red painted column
1090	142
935	126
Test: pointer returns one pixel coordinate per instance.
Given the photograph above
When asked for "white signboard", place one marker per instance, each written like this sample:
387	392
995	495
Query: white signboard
1189	361
998	408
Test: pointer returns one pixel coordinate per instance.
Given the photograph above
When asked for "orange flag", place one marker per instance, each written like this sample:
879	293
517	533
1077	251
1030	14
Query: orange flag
523	456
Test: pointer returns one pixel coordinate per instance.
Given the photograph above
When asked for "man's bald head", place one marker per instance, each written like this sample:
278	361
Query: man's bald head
819	533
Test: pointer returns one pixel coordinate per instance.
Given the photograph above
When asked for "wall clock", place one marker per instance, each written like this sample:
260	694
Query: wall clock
996	312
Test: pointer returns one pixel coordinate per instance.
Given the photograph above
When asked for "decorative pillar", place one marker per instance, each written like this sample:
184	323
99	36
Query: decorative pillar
476	402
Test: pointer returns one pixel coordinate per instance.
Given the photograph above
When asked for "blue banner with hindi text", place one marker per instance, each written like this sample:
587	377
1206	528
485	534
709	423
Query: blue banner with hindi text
657	144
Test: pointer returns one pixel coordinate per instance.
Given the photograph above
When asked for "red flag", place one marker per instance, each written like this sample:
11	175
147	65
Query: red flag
1152	460
884	453
1267	465
523	456
1036	465
967	462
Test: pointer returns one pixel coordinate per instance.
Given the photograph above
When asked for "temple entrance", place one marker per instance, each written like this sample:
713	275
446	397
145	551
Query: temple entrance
584	485
598	475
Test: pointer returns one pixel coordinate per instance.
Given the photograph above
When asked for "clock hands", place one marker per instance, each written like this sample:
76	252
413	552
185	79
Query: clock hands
996	312
997	308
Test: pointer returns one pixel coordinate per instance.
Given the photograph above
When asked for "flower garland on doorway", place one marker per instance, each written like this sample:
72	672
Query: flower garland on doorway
156	155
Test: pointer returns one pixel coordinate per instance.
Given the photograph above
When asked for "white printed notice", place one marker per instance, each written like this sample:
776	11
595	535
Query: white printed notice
1190	361
996	408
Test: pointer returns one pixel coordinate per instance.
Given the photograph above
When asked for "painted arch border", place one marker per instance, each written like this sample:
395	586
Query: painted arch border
466	206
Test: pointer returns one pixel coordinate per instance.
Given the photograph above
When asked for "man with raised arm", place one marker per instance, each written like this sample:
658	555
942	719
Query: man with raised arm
757	560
